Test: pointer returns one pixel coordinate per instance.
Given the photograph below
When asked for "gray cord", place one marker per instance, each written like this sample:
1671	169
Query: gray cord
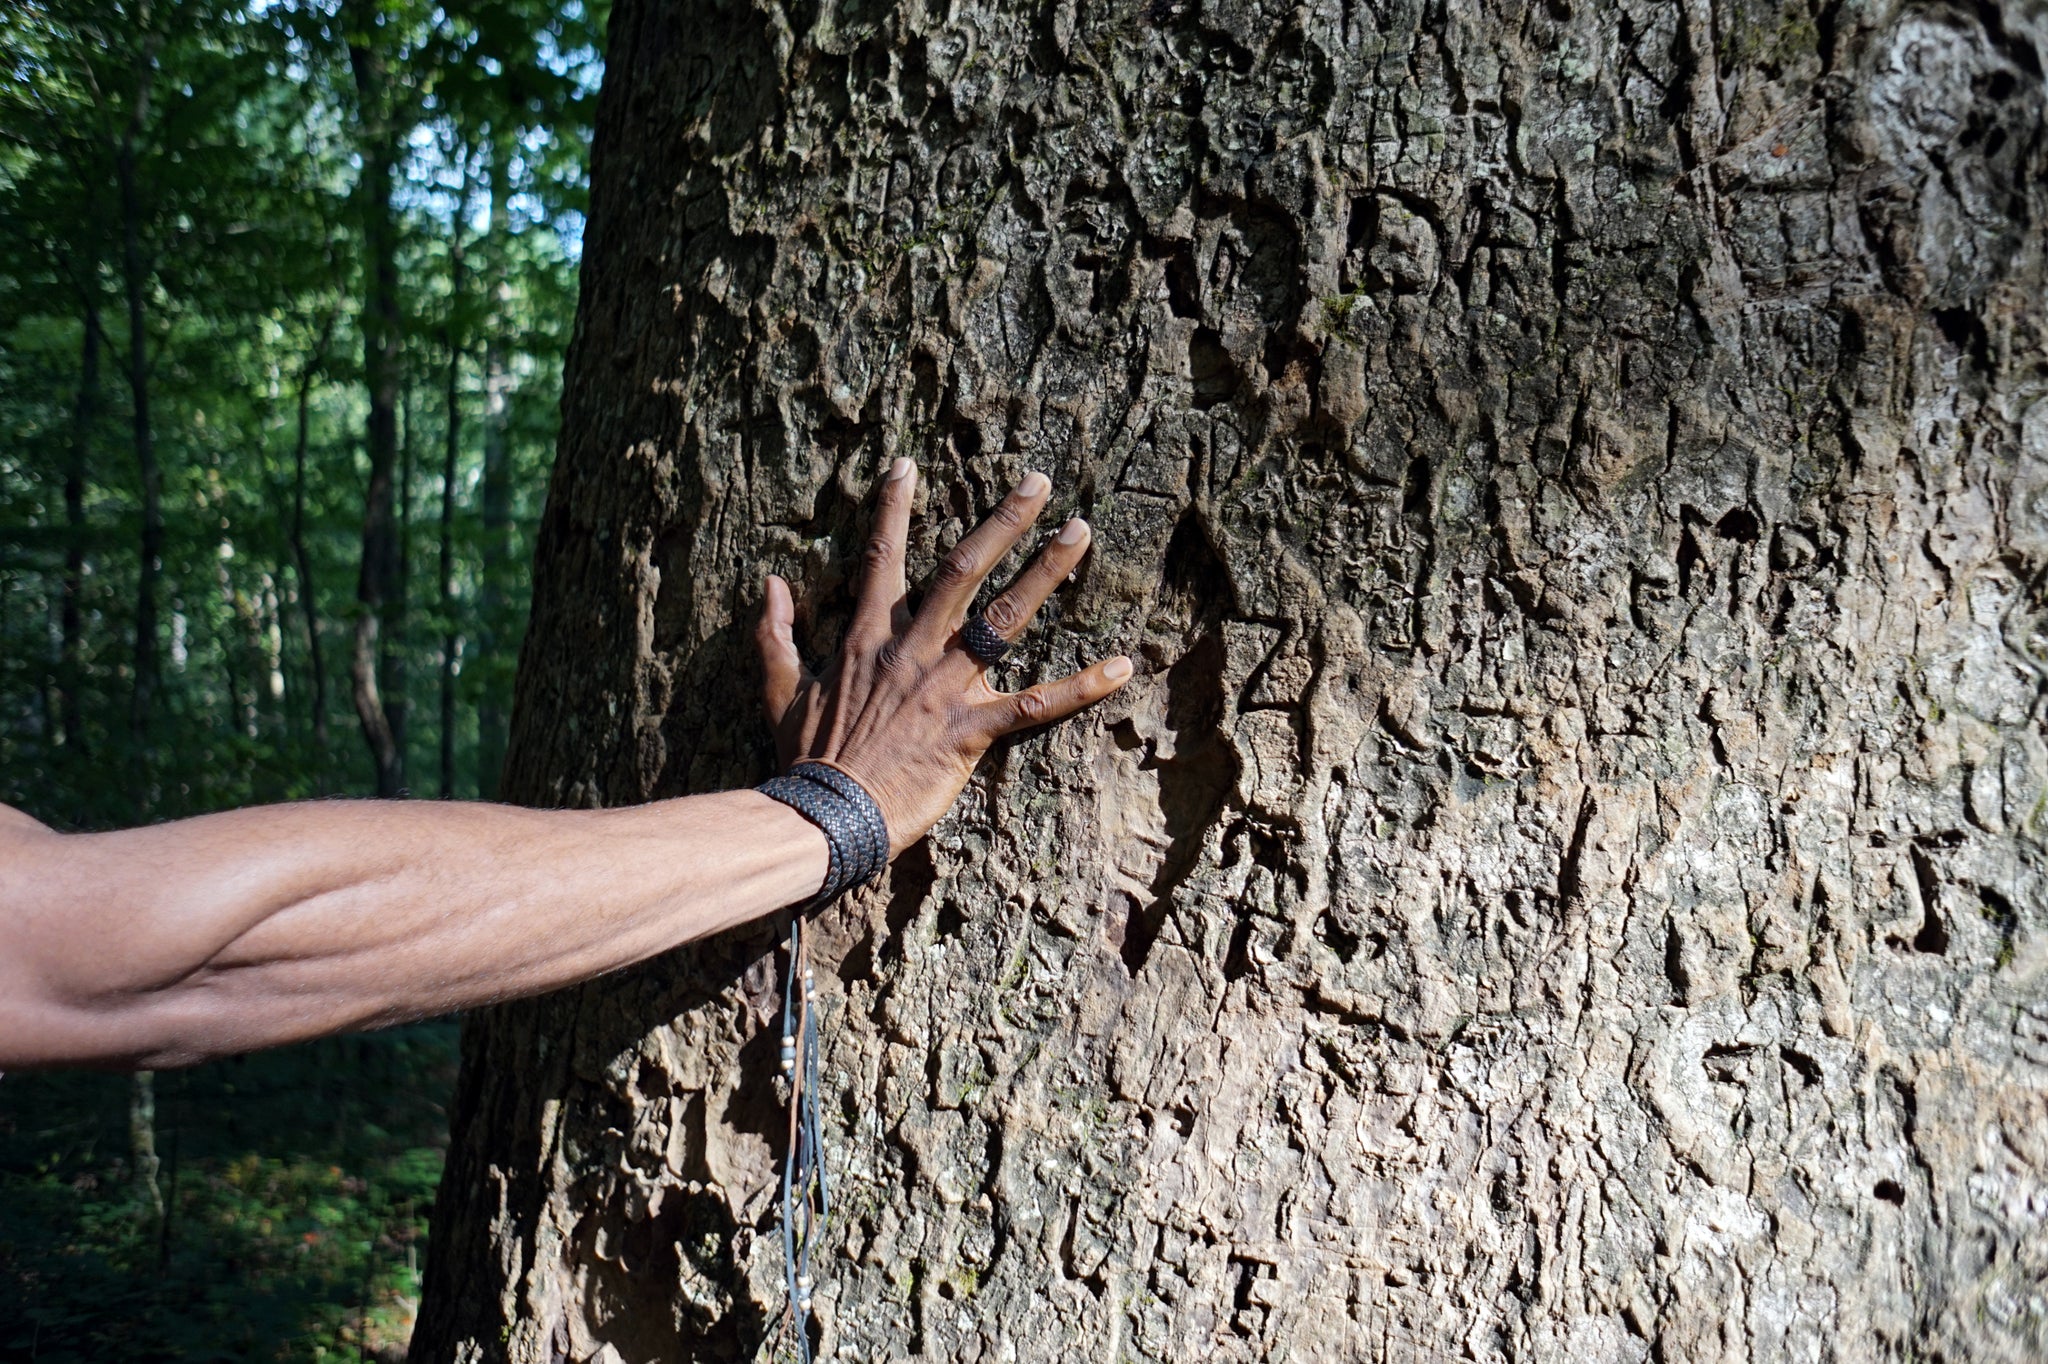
857	849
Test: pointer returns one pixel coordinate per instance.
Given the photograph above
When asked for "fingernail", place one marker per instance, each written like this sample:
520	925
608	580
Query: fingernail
1117	669
1073	533
899	469
1034	483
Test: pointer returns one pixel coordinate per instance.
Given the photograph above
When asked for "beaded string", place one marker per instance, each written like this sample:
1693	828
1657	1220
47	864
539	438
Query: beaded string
805	1194
857	849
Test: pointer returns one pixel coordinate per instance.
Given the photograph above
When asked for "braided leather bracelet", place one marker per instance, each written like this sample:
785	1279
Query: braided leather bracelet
870	831
857	849
856	836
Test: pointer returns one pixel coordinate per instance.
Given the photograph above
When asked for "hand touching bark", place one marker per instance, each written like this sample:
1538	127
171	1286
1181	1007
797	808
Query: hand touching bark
905	709
255	927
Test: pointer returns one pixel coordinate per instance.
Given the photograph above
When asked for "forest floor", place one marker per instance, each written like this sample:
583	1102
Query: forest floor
297	1185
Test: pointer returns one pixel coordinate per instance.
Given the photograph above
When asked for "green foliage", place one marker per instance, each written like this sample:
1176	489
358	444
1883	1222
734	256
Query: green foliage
249	229
183	184
310	1250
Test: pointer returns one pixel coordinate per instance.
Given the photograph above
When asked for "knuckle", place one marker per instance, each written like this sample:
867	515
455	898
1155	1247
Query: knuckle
889	659
1004	615
880	552
1008	514
957	569
1032	706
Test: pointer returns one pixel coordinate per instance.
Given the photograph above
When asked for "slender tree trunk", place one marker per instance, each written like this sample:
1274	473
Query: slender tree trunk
135	278
451	451
236	647
164	1227
393	680
302	558
243	651
85	412
496	490
142	1157
274	780
1566	882
378	585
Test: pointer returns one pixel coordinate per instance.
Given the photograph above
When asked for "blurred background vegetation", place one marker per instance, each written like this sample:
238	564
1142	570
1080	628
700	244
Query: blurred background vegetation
284	291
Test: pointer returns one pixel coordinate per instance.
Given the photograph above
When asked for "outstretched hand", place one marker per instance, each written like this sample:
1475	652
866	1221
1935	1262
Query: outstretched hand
905	709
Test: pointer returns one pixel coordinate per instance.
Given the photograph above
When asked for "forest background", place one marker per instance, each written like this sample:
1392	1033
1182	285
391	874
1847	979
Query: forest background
285	287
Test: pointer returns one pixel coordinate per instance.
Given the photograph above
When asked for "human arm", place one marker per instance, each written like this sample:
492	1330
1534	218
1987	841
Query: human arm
229	932
170	944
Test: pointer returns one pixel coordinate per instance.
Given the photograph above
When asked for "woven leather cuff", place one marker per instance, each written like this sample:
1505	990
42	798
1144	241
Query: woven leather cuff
856	836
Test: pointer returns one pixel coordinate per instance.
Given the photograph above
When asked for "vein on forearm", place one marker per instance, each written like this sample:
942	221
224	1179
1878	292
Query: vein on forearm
245	929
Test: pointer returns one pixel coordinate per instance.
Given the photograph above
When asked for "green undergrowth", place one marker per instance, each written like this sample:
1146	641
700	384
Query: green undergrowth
297	1186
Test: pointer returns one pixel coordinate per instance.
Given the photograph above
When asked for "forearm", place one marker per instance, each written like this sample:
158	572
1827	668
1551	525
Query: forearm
262	926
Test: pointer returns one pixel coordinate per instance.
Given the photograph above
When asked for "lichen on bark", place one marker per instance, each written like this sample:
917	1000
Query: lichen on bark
1567	882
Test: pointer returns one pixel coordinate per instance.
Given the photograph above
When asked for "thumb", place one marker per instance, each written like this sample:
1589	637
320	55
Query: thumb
782	670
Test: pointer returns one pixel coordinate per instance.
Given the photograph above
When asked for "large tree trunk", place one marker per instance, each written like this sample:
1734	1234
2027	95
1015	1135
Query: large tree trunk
1567	881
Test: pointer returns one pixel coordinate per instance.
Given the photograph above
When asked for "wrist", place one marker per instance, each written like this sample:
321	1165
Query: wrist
802	852
898	813
855	830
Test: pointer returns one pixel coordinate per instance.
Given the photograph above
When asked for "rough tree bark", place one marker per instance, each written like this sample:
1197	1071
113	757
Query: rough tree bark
1567	882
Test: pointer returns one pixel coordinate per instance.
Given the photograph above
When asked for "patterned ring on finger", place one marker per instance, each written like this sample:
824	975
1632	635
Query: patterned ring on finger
980	639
